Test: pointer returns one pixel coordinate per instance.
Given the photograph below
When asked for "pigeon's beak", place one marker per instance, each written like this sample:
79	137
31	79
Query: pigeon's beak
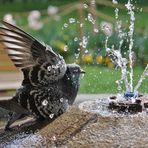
82	71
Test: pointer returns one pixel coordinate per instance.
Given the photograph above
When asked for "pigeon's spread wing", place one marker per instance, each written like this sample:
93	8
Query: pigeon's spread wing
25	51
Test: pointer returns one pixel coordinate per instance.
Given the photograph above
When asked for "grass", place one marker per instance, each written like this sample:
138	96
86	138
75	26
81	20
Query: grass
102	80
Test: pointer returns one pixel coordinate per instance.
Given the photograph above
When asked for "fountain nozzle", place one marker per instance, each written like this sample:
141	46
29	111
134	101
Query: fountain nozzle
129	95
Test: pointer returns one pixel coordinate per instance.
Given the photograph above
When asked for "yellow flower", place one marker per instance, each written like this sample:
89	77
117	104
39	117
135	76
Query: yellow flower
99	59
107	60
87	58
110	65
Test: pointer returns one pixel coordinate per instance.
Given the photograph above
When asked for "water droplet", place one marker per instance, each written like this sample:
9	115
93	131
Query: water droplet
78	49
54	138
65	25
81	25
114	1
117	82
107	28
44	102
96	30
54	66
141	9
61	99
75	39
77	55
49	68
72	20
93	2
108	49
90	18
85	5
82	76
65	48
116	13
86	51
84	42
51	116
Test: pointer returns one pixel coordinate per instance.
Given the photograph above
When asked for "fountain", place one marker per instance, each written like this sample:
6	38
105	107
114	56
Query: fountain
129	100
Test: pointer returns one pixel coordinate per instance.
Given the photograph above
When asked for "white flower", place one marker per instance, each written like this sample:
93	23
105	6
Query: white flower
107	28
34	20
9	18
52	10
35	25
34	15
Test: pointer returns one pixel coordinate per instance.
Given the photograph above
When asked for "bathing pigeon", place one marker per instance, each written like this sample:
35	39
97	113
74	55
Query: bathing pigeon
49	86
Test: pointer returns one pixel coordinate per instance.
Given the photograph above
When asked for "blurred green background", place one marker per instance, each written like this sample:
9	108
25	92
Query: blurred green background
74	29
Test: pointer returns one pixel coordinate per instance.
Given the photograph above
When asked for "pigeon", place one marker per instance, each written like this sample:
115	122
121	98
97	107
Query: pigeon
49	86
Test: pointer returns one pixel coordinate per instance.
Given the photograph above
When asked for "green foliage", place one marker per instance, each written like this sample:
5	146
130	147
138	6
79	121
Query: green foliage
27	5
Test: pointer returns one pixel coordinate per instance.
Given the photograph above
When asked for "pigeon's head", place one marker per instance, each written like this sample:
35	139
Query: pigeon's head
73	73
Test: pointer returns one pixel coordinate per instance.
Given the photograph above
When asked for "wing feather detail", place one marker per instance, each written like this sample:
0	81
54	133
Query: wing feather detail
17	43
26	52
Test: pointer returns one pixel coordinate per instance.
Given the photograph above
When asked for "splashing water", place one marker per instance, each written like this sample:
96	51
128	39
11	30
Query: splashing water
84	42
72	20
91	19
122	63
85	6
130	9
114	2
116	55
65	48
145	73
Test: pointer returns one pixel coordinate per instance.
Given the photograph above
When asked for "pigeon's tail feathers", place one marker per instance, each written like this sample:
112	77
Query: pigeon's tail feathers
13	106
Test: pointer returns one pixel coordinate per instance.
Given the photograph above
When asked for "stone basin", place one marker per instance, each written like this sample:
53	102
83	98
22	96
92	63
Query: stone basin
80	127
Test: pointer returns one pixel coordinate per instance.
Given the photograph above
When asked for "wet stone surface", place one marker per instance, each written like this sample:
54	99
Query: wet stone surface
82	127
